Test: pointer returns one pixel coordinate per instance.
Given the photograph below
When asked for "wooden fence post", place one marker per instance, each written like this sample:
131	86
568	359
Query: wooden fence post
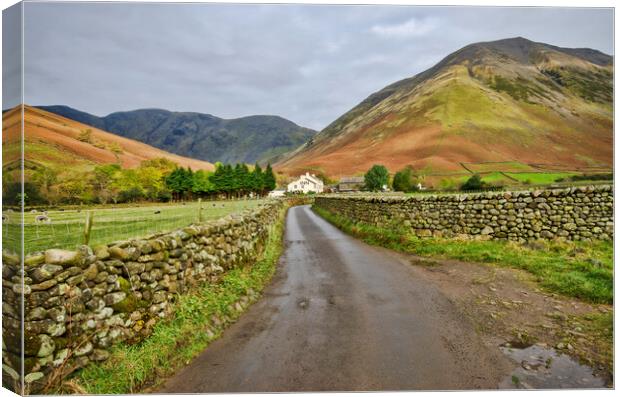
88	226
200	210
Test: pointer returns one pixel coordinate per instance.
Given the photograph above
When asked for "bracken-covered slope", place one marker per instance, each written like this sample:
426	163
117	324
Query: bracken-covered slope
507	100
52	141
198	135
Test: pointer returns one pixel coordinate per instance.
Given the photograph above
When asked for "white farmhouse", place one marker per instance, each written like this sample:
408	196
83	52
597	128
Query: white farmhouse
306	183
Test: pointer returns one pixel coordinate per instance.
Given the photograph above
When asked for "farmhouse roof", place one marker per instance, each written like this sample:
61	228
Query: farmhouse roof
352	179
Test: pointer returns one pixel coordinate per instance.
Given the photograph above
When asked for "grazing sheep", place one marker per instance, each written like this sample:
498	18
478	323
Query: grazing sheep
9	210
33	211
5	218
42	218
158	212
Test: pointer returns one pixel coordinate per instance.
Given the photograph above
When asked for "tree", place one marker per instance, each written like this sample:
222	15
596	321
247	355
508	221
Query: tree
376	178
473	183
44	178
258	182
202	183
269	179
103	177
180	182
405	180
12	194
74	190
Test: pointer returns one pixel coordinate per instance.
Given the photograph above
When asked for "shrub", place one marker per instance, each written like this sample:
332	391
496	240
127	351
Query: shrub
130	195
86	136
473	183
405	180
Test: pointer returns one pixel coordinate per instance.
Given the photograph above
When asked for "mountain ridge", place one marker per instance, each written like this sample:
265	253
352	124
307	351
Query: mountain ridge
509	95
200	135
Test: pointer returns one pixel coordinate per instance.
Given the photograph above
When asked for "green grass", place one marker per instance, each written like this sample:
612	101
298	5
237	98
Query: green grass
178	339
577	269
539	178
111	224
500	166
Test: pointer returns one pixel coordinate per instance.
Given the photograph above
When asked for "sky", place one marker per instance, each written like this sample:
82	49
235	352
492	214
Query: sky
307	63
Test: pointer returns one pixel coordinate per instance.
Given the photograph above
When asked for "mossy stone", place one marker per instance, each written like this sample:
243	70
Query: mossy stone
124	285
127	305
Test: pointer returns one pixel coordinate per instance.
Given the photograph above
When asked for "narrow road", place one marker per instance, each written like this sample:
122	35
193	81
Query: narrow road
340	315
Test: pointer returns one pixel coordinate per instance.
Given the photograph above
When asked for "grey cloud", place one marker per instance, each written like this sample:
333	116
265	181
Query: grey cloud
307	63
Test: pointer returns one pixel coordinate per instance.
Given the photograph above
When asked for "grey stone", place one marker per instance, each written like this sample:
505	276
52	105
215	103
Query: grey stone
62	257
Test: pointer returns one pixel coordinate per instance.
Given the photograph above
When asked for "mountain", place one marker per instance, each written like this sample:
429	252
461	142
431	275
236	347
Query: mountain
198	135
509	100
57	142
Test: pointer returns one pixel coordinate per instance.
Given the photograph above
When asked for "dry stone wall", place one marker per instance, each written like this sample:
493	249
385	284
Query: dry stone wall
77	304
578	213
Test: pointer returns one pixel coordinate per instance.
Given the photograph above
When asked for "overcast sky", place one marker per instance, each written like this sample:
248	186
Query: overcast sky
306	63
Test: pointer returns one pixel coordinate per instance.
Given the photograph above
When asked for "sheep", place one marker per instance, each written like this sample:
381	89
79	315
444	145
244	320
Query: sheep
43	218
5	218
33	211
158	212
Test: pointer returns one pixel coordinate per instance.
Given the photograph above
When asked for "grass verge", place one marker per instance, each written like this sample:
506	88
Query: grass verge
576	269
199	318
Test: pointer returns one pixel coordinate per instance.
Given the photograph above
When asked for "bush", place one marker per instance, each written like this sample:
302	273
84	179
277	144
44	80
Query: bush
130	195
404	180
164	195
86	136
473	183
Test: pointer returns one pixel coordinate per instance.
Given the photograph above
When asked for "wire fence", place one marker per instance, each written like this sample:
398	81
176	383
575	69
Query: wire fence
66	228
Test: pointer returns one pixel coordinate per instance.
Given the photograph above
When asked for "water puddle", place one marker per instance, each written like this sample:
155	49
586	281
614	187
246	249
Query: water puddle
544	368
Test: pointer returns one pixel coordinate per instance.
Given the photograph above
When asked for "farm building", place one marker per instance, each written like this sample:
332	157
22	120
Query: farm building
351	184
306	183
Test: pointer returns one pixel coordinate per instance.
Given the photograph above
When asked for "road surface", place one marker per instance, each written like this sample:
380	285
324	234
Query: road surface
340	315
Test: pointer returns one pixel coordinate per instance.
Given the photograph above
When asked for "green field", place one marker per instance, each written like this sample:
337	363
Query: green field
539	178
502	166
66	228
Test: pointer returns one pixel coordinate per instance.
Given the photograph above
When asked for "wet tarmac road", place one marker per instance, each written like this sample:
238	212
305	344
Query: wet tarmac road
340	315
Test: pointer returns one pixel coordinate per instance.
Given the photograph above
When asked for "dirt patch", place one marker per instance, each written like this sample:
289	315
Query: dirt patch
510	310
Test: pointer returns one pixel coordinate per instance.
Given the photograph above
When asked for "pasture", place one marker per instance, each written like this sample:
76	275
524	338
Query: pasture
66	228
539	178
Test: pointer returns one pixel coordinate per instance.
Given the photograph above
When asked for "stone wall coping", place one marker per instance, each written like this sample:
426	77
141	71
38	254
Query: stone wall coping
555	192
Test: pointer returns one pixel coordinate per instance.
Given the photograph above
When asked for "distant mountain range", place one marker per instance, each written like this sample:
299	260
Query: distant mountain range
200	136
507	100
58	143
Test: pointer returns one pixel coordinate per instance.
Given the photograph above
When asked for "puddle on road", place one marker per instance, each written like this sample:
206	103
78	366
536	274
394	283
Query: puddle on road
544	368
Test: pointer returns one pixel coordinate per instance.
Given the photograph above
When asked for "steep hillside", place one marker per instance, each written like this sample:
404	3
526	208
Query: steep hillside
201	136
507	100
57	142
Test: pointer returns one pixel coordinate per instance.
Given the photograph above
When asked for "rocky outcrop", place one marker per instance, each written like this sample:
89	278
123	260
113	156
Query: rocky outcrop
578	213
77	304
